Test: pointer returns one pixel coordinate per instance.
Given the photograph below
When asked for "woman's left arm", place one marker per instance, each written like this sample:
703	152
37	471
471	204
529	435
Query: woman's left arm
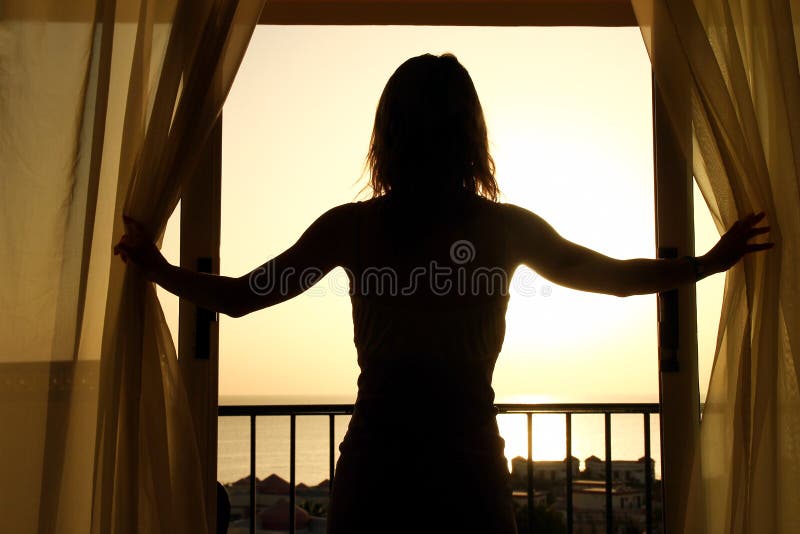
323	246
536	244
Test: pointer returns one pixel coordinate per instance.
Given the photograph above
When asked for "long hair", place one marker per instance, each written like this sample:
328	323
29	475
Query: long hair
429	136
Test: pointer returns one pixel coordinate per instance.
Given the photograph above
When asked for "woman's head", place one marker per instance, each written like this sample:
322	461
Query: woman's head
429	135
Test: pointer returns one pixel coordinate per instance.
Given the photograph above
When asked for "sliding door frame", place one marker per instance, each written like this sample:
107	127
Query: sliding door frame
678	383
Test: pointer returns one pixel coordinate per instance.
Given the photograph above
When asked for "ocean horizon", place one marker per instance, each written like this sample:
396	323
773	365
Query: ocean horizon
312	434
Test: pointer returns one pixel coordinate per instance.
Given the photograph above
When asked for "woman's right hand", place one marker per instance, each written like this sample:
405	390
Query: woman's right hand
736	243
138	247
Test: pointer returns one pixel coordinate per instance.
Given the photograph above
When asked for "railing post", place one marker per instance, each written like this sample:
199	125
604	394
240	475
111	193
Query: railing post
609	487
292	459
332	457
252	473
529	416
570	520
648	477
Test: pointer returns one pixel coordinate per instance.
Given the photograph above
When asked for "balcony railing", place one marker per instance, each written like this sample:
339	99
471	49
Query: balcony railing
568	410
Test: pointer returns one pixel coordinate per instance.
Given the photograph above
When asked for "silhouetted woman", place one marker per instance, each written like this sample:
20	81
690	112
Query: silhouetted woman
429	258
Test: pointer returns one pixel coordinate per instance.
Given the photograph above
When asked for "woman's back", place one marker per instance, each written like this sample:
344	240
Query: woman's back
429	288
429	291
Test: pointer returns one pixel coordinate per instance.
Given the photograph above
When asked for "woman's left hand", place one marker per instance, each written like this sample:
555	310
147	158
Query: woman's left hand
736	243
138	247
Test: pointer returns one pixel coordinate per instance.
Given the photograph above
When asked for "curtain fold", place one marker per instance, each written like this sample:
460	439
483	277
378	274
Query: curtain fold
731	68
104	108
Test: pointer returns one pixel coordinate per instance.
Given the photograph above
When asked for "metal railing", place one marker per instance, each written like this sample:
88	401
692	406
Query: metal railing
568	410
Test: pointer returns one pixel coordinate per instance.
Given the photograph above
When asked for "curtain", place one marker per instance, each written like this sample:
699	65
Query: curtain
104	109
730	69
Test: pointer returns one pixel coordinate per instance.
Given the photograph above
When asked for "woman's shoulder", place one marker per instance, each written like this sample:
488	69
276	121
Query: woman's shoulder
348	217
502	213
514	215
364	204
349	209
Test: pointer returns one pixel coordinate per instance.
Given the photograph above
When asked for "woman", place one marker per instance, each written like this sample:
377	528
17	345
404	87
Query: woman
429	259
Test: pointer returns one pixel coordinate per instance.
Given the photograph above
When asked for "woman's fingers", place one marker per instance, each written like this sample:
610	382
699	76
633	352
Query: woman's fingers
136	245
121	252
758	230
753	218
735	243
124	247
749	219
755	247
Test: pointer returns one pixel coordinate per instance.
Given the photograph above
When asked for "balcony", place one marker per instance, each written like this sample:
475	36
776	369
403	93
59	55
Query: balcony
611	497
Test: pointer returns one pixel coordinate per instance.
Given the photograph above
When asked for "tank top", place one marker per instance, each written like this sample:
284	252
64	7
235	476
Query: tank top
426	364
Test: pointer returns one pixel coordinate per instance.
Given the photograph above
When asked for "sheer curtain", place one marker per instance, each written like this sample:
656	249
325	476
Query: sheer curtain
732	66
104	109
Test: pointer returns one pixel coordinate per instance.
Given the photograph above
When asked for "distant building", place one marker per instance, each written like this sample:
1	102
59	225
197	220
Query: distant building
590	495
621	470
521	497
589	507
548	470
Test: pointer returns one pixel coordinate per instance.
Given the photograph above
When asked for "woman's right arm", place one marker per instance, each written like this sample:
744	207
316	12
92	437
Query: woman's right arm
324	245
536	244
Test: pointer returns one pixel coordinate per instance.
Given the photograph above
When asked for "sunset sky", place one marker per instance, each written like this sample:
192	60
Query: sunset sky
569	118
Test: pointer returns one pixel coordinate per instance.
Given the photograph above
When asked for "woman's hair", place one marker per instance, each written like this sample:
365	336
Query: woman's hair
429	135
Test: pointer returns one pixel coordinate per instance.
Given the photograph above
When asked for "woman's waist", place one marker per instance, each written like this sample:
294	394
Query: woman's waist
416	423
441	405
478	445
423	404
410	378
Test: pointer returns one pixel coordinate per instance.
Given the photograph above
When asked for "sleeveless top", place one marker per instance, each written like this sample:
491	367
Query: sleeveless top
426	363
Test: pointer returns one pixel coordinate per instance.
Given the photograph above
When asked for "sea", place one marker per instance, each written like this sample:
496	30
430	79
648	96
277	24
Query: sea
312	446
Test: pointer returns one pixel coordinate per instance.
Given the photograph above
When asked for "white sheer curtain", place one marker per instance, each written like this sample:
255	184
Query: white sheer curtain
732	66
104	109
